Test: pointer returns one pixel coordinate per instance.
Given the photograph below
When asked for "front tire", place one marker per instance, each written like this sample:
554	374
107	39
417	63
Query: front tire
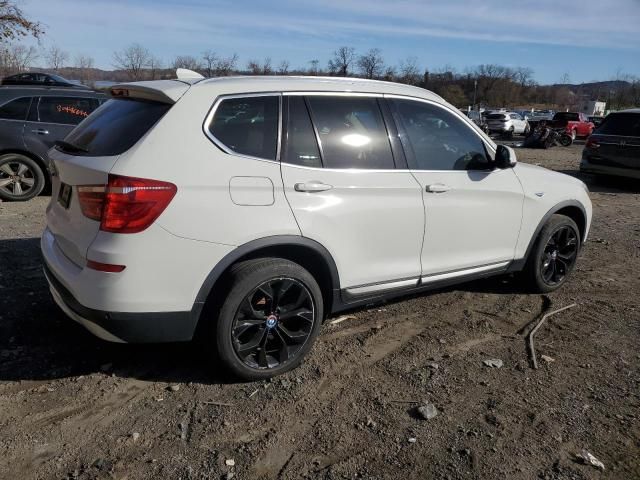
269	319
21	178
554	254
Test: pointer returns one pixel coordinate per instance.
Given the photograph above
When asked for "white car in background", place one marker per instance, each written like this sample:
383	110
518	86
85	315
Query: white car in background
507	123
249	209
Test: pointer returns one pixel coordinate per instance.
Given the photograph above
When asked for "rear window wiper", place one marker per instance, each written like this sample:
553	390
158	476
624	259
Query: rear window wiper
70	147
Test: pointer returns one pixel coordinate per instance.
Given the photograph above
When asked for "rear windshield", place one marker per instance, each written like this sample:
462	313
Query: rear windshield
114	127
623	124
496	116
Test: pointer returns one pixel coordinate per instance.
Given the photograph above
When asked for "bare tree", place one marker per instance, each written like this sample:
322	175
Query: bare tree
155	65
225	65
56	57
409	72
342	59
84	63
371	63
16	58
133	60
210	60
254	67
313	67
524	76
187	61
283	68
266	66
13	23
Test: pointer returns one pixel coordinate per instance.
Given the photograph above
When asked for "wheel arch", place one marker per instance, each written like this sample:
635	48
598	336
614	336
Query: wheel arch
306	252
572	209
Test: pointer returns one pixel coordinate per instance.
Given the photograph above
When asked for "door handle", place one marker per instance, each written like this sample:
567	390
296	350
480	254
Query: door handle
41	131
312	187
438	188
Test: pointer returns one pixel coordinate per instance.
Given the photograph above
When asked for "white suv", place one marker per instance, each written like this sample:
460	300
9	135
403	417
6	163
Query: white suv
508	123
250	209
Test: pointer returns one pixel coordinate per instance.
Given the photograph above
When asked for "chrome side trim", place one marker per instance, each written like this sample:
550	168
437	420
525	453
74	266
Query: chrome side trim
466	271
380	287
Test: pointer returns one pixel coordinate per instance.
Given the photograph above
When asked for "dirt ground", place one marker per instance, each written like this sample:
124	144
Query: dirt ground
72	406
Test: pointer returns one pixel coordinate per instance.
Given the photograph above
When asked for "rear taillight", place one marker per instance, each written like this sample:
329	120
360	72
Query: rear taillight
592	144
125	204
105	267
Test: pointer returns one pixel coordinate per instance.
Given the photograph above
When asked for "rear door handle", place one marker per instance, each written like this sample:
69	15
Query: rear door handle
438	188
312	187
41	131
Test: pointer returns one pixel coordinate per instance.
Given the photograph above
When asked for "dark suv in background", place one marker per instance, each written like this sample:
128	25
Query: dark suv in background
32	119
41	79
614	147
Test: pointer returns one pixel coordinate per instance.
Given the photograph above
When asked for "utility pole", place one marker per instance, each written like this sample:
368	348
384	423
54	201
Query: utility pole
475	87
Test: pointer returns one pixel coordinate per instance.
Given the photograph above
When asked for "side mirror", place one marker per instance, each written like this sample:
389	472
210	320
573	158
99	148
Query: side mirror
505	157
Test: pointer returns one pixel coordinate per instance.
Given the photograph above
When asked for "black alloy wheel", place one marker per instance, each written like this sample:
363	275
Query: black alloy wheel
20	177
273	323
559	255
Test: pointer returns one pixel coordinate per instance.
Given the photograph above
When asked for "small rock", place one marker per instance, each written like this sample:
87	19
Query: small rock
135	436
229	475
493	363
589	459
433	365
371	423
229	462
547	358
427	411
412	440
174	388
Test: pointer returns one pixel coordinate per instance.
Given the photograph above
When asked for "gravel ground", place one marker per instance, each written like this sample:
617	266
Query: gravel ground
72	406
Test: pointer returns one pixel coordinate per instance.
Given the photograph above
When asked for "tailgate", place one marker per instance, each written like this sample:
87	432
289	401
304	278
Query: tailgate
73	232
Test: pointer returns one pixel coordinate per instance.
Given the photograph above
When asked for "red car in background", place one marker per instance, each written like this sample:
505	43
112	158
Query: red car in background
576	124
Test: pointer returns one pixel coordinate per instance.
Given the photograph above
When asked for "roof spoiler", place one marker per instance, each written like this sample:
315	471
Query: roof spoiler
164	91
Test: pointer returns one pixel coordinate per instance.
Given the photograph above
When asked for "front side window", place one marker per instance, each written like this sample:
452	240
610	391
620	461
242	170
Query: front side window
15	109
301	147
351	131
65	110
436	139
248	125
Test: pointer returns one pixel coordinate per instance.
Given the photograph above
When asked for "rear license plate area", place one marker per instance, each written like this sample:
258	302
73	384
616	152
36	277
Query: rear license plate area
64	195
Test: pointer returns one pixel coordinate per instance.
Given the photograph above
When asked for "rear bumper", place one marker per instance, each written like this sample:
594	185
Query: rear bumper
137	327
588	167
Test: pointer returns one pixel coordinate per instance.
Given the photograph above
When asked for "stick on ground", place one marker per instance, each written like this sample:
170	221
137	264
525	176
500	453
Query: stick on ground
535	329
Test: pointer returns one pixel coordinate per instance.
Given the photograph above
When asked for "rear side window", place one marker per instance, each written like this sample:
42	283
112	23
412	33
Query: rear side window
496	116
622	124
116	126
248	125
301	147
15	109
352	132
65	110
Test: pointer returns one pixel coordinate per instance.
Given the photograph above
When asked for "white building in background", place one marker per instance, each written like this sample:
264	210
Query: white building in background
593	107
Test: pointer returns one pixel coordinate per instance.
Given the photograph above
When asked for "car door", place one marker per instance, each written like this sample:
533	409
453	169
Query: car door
518	123
473	212
12	120
51	118
340	178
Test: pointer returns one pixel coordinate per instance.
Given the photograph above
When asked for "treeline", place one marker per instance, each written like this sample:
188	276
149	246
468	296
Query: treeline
487	85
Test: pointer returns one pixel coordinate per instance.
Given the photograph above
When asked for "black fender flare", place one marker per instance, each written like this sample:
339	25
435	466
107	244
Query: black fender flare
519	264
259	244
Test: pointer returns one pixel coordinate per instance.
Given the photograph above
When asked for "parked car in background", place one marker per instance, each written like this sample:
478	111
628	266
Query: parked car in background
282	207
507	123
41	80
596	120
614	146
576	124
32	119
476	117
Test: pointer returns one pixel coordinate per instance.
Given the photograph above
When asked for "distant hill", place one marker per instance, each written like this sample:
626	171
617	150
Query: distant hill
595	90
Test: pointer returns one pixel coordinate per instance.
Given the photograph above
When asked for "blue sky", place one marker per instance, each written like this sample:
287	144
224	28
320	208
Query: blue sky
587	39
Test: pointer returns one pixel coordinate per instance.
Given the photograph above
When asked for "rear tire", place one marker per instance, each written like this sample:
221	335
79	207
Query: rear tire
269	320
553	256
21	178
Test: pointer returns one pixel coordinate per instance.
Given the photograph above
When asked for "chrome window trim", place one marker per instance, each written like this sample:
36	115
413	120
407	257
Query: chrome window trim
212	111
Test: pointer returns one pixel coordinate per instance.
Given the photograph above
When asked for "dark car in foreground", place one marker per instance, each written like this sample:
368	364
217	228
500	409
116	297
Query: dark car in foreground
32	119
614	147
40	80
